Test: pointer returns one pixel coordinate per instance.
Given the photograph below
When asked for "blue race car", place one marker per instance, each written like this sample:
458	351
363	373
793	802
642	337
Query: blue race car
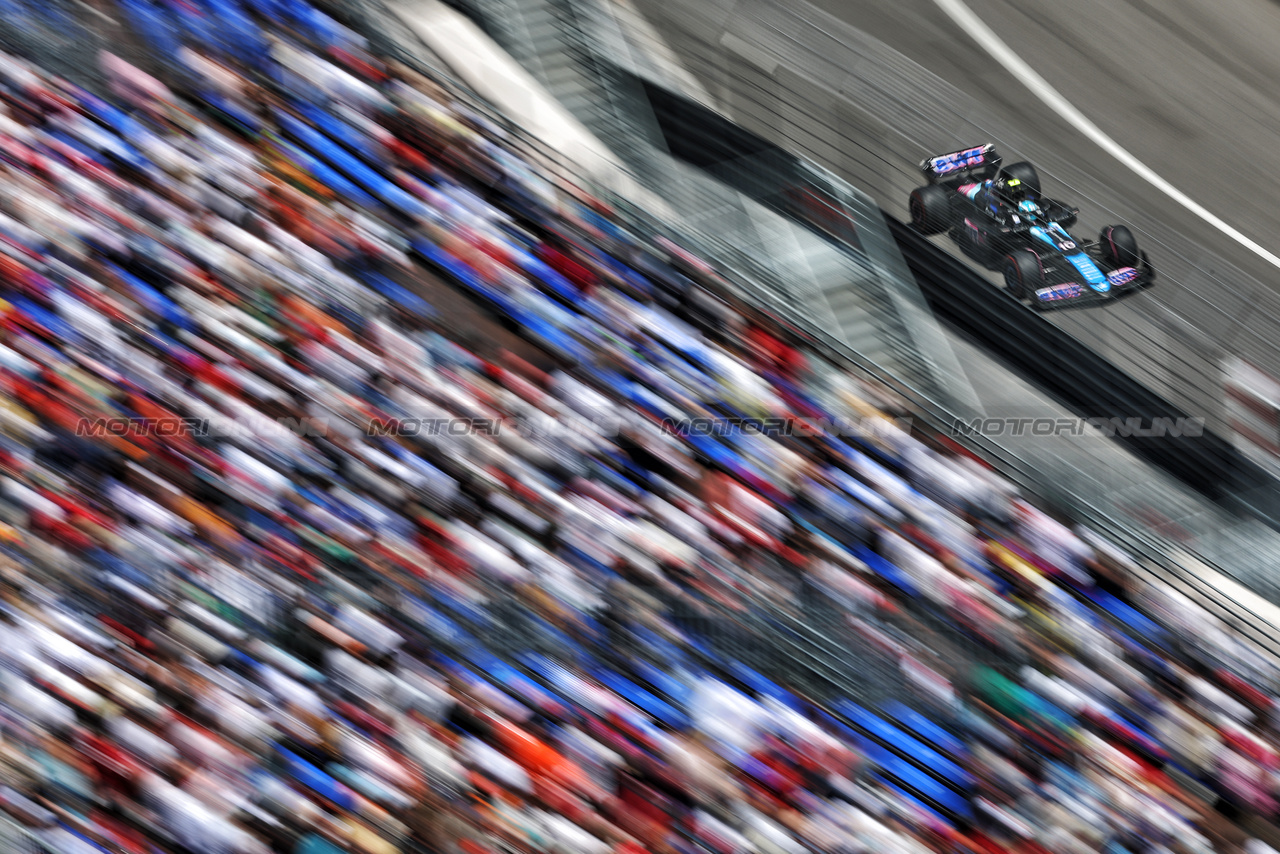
1000	219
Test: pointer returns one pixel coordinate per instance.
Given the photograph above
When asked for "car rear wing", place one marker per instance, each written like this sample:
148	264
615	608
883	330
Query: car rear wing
980	161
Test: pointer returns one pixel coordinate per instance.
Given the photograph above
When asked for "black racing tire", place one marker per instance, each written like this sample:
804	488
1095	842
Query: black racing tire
1119	247
931	209
1024	172
1023	273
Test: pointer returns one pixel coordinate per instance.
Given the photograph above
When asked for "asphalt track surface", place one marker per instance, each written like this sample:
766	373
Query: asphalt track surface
869	88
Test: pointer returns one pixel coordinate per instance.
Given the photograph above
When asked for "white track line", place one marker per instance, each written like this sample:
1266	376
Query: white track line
1015	65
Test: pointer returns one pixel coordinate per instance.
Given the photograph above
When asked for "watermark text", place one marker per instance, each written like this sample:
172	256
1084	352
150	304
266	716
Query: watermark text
1109	427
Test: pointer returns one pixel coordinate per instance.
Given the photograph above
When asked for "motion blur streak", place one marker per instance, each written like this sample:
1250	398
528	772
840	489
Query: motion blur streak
1052	98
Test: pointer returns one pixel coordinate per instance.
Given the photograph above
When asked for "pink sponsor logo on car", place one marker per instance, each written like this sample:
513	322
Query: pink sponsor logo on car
1070	290
960	160
1123	276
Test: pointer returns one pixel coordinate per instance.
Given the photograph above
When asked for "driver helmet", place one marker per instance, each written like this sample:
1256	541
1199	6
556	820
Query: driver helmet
1014	191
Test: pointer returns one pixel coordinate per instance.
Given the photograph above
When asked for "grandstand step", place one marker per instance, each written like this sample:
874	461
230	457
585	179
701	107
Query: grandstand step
577	102
557	78
845	298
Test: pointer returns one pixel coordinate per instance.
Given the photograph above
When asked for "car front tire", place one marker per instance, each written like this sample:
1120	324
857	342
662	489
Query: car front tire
1119	247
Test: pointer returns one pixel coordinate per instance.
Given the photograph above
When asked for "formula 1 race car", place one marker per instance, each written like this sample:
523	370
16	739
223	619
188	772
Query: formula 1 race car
999	218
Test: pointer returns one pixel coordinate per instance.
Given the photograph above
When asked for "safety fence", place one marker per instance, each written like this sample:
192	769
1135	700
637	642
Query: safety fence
815	639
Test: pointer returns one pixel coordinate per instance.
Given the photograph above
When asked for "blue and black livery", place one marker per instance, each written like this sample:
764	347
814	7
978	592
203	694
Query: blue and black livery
999	218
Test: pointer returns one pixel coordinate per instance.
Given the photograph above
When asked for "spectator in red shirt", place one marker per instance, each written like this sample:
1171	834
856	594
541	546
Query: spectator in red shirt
561	259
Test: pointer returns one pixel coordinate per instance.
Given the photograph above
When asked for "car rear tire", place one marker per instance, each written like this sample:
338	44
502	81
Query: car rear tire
1024	172
930	209
1119	246
1023	273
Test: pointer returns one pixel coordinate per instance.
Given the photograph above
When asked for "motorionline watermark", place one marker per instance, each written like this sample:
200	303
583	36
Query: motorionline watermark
548	426
178	427
780	426
226	427
1107	428
308	427
611	425
545	425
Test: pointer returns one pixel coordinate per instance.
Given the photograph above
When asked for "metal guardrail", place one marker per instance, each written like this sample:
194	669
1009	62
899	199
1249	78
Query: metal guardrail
56	34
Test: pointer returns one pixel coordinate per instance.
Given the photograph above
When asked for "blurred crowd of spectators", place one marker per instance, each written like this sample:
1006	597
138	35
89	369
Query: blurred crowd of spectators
251	603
